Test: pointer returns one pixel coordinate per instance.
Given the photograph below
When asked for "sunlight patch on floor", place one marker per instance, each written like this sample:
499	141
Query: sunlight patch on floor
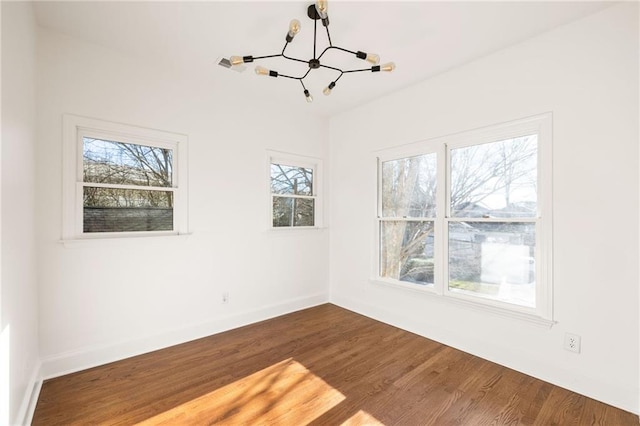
362	418
284	393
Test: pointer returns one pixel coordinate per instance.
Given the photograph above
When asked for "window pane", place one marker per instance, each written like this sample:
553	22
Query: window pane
291	180
127	210
126	163
493	260
497	179
406	251
289	211
409	187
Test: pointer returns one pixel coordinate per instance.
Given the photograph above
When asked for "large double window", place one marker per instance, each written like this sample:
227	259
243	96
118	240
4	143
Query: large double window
468	216
122	180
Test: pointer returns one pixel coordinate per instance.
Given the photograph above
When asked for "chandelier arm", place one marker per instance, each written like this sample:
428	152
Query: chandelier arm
295	78
328	36
336	47
344	50
267	56
315	29
294	59
332	68
360	70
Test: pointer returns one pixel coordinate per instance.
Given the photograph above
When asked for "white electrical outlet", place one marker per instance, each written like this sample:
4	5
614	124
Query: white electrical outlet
572	342
225	297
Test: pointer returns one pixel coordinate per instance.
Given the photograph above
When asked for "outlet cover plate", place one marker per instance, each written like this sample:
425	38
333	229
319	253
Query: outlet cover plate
572	342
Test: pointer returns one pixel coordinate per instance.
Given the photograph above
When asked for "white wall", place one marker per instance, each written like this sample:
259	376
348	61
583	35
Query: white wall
19	361
109	300
586	73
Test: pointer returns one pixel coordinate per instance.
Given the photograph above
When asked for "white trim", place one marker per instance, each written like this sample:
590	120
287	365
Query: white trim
306	197
136	187
420	288
131	237
76	360
295	160
540	125
30	397
74	128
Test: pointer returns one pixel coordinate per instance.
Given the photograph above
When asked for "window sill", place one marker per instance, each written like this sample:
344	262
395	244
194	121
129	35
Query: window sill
119	240
296	228
429	289
478	306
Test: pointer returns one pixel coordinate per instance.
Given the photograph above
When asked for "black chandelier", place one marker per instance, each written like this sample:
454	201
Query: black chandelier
316	12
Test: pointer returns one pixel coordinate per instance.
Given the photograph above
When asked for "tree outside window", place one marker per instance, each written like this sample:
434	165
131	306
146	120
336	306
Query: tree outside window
293	182
127	187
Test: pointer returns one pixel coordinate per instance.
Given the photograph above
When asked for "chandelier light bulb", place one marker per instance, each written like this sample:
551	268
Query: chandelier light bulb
308	96
373	58
294	27
236	60
260	70
322	7
327	90
390	66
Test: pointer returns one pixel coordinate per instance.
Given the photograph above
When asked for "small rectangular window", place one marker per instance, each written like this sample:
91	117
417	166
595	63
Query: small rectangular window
122	180
294	183
135	192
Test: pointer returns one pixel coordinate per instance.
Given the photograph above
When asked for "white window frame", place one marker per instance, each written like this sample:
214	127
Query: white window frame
276	157
74	129
413	150
442	146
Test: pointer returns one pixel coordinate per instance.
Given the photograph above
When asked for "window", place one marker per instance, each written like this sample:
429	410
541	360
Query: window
294	187
122	180
468	217
408	201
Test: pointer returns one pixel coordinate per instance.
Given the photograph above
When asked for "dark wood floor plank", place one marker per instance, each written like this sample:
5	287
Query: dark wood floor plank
319	366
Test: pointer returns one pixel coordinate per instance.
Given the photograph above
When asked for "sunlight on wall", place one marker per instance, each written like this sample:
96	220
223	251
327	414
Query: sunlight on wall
269	396
4	376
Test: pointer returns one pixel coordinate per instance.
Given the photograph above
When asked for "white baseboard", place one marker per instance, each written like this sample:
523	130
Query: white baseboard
30	398
609	393
73	361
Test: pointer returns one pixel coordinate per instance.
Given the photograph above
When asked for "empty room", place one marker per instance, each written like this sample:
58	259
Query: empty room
331	212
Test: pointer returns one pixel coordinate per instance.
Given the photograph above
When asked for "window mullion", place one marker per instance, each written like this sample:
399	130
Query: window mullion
307	197
133	187
493	219
442	211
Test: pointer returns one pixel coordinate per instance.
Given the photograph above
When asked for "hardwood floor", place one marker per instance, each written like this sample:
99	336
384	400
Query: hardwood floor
320	366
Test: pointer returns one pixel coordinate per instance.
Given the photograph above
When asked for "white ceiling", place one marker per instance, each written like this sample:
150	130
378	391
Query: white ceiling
422	38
